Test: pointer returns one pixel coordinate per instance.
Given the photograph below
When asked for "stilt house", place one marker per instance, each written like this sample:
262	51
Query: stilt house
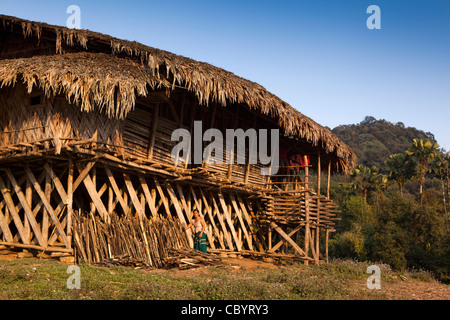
86	124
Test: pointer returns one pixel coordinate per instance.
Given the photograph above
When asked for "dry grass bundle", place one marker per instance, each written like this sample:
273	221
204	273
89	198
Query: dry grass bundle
147	241
90	80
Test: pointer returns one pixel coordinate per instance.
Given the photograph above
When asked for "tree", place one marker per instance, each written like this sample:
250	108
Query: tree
363	179
381	183
440	169
401	169
423	150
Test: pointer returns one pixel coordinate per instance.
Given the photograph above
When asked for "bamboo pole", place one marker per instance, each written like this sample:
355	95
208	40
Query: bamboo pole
307	225
319	170
328	179
153	132
232	155
70	200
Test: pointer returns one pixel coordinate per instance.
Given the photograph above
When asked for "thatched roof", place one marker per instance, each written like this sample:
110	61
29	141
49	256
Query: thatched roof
91	69
90	80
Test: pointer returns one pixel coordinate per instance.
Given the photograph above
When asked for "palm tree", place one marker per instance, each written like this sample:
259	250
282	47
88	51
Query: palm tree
381	183
401	169
363	179
423	150
440	169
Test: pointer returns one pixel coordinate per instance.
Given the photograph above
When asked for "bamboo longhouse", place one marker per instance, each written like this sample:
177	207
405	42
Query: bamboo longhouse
85	126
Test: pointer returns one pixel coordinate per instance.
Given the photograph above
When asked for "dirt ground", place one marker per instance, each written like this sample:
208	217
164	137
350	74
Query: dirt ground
396	287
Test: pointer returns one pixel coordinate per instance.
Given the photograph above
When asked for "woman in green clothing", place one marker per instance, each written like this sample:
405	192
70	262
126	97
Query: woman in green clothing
199	225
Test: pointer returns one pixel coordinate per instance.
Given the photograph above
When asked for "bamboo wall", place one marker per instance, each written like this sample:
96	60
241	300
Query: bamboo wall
51	122
34	122
55	159
38	199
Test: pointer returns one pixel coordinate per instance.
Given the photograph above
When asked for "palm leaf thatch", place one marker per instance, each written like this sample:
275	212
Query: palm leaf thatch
90	80
94	69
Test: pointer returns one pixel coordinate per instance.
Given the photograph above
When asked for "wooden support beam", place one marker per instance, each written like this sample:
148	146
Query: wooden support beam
328	179
183	201
94	195
133	195
153	132
307	225
116	190
244	229
4	226
280	243
36	247
191	129
222	224
208	210
173	111
317	234
230	165
250	217
179	211
29	197
57	183
319	170
83	174
287	238
198	204
311	244
162	196
248	165
227	214
70	199
45	198
15	214
48	207
45	224
212	118
148	196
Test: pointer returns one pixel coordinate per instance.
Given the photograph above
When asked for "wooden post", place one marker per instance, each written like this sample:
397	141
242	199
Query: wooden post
247	166
318	173
211	125
191	129
45	218
153	132
269	245
70	200
317	229
230	165
328	179
29	198
307	225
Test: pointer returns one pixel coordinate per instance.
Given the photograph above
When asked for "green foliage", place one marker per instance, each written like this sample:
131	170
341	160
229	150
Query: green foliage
374	140
42	279
398	231
380	224
402	168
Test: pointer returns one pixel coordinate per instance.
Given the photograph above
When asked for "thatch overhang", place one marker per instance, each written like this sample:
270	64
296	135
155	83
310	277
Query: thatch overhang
93	69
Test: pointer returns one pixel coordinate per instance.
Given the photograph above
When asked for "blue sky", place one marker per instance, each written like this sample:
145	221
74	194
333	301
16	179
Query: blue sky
318	56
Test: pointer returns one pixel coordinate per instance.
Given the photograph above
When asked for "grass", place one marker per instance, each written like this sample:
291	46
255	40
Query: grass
43	279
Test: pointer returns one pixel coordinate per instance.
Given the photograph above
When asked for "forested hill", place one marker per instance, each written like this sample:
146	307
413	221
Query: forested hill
374	140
